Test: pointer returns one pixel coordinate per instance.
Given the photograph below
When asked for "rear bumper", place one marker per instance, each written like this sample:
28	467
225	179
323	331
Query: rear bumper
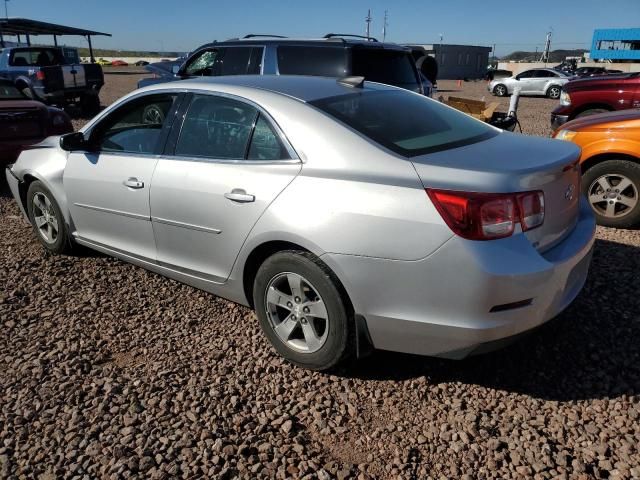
441	305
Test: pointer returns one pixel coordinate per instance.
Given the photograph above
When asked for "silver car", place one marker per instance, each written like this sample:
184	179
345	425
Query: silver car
348	214
539	81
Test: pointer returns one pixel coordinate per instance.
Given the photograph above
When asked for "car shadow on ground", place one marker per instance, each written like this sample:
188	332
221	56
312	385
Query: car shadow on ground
592	350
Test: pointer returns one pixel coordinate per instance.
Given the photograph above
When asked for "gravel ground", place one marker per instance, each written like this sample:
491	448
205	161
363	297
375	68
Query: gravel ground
109	371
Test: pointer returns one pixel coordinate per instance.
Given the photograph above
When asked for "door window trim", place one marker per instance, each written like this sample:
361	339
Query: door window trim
183	68
176	130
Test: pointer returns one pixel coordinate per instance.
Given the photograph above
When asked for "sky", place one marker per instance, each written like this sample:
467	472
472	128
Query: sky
174	25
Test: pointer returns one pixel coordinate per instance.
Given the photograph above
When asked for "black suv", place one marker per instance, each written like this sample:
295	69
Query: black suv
334	55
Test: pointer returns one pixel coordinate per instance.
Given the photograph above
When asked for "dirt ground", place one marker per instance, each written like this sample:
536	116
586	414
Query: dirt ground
110	371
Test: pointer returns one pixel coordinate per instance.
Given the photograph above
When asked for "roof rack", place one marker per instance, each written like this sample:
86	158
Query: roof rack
341	35
254	35
354	82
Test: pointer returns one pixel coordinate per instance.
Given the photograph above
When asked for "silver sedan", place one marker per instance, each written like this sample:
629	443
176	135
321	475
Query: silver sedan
539	81
350	215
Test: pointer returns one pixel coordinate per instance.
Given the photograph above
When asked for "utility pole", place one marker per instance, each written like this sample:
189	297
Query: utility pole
494	53
6	11
441	52
384	27
547	48
368	21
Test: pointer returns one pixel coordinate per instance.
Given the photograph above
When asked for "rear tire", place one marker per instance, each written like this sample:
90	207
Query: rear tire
500	90
292	317
554	92
618	209
47	219
591	111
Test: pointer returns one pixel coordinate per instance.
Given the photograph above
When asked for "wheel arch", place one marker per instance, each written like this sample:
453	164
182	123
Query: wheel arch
602	157
590	106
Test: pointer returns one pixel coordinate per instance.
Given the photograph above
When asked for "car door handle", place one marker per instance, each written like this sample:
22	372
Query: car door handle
133	182
239	195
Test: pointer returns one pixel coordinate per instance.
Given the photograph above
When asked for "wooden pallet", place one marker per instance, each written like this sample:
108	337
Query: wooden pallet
476	108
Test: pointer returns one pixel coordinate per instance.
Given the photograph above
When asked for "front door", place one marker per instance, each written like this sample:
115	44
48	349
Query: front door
228	165
108	184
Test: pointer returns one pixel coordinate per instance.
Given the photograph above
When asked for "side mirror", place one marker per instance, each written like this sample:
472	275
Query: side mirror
73	141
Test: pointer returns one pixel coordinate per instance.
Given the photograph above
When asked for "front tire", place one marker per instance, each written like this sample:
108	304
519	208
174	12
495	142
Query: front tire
47	219
613	190
554	92
500	90
303	311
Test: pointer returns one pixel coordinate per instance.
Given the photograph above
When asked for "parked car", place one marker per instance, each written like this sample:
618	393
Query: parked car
119	63
103	62
223	184
141	63
43	73
610	164
593	71
539	81
588	96
24	122
331	56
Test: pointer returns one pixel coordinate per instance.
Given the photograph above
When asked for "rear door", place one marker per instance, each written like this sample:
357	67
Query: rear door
228	163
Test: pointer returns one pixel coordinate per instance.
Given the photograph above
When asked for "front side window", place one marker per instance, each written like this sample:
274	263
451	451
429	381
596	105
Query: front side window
317	61
134	127
226	61
545	74
385	66
405	123
216	127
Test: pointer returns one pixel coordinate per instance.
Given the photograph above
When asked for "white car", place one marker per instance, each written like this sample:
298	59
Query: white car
539	81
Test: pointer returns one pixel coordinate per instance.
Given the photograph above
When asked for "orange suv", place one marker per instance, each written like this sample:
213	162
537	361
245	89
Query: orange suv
610	164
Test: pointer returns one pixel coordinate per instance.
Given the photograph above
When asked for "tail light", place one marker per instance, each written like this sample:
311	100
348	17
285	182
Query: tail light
40	75
488	216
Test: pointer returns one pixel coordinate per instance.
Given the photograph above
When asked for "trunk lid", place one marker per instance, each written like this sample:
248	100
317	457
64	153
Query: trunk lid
511	163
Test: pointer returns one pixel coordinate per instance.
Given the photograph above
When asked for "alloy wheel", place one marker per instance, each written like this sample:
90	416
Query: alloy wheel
613	195
296	312
554	92
44	216
501	91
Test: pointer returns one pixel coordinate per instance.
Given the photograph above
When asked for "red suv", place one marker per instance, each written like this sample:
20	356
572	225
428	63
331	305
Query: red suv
587	96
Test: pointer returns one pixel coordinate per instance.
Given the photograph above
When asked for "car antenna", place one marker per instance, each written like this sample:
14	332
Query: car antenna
355	82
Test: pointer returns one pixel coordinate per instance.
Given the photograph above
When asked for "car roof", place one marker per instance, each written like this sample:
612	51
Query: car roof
300	87
325	42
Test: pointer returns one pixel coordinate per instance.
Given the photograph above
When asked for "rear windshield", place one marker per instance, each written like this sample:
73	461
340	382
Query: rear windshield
8	91
404	122
36	57
385	66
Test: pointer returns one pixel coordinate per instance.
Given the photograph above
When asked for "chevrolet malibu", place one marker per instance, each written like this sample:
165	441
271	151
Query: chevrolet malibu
348	214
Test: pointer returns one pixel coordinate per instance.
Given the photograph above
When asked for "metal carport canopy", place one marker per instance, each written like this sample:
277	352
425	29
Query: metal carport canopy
27	27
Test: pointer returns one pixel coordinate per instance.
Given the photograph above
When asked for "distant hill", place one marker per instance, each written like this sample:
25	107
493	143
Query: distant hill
101	52
554	55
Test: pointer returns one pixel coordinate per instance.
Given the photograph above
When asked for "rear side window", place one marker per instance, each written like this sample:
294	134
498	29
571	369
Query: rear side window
385	66
217	128
317	61
265	143
35	57
404	122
